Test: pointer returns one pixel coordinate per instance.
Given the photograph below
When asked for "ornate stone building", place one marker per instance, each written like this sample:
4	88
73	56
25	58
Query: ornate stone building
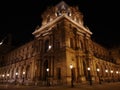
61	41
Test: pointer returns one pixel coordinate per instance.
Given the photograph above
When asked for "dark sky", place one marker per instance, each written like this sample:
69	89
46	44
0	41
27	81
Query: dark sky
20	17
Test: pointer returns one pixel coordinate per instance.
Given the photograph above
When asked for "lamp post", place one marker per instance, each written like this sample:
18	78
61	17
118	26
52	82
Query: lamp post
71	67
3	78
117	75
16	77
112	74
89	76
7	77
23	78
47	77
98	70
106	71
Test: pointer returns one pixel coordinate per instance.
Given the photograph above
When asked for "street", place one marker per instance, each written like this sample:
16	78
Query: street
106	86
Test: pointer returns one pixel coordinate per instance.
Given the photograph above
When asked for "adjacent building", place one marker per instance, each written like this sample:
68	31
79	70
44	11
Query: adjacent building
61	51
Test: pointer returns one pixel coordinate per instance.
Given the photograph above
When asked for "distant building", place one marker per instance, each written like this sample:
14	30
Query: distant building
61	41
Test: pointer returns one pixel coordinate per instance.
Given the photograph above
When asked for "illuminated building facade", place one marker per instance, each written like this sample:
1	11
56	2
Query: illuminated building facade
61	41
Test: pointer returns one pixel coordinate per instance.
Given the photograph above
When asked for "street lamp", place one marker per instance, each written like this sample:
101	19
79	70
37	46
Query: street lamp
71	67
49	47
3	75
89	76
16	77
106	71
23	78
116	72
107	75
98	70
47	76
112	74
3	78
7	77
117	75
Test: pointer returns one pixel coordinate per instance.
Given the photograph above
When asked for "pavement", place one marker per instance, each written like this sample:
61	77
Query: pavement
103	86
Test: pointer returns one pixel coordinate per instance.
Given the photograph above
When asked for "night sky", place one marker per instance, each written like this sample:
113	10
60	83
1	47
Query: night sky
20	18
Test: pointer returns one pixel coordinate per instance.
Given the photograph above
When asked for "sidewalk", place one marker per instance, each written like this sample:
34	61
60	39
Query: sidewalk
75	86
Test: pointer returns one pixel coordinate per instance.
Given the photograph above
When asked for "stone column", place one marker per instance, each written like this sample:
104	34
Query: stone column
19	72
52	66
81	66
77	42
81	69
32	69
78	68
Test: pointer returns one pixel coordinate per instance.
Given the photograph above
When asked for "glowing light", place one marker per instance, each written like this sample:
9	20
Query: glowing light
1	42
23	73
111	71
98	69
117	72
47	69
16	73
88	68
7	75
71	66
3	75
106	71
50	47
